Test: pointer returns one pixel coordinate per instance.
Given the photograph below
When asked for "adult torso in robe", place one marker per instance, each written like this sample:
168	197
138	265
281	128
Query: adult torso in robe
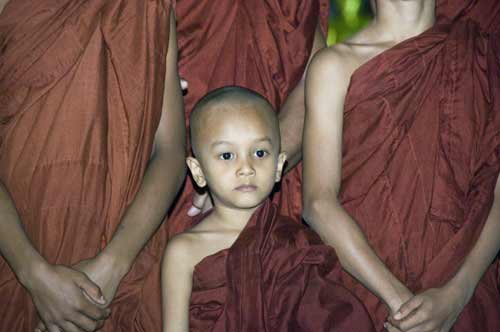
421	150
277	276
81	96
259	44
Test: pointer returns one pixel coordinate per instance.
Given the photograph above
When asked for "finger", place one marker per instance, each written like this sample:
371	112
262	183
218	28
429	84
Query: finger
40	327
198	203
413	304
93	312
411	321
70	327
53	328
85	323
90	289
208	204
426	327
391	328
184	84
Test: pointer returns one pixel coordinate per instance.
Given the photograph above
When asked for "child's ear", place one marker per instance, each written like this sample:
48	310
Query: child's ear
279	167
196	172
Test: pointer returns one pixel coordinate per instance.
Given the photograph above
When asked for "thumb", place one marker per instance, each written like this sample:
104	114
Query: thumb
408	307
90	289
198	204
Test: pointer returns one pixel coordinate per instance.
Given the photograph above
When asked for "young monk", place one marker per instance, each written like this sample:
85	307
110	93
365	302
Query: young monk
245	267
406	190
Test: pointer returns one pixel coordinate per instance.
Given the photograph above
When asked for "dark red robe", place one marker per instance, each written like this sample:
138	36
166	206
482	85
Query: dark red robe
263	45
81	88
273	278
421	156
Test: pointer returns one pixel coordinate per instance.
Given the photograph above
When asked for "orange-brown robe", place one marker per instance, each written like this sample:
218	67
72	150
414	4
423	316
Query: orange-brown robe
421	156
263	45
273	278
81	87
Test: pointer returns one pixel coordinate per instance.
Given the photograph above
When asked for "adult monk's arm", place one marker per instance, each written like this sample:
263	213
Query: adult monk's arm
55	289
326	86
438	309
291	115
162	179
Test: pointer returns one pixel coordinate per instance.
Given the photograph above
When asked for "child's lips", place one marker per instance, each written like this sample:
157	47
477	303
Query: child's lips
246	188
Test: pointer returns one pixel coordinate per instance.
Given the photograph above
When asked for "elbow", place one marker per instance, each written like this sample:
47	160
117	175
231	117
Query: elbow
316	206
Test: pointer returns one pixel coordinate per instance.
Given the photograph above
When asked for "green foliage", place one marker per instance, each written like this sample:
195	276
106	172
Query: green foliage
347	17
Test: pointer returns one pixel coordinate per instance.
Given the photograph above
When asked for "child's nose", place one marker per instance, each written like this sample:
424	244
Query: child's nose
246	168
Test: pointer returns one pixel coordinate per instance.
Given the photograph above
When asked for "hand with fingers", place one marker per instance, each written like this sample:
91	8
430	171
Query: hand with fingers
106	275
56	292
434	310
201	204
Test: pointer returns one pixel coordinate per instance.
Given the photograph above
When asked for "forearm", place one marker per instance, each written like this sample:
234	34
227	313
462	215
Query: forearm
338	229
291	120
160	184
482	254
15	246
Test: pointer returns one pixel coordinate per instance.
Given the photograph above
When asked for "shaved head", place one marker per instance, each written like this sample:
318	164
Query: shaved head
226	101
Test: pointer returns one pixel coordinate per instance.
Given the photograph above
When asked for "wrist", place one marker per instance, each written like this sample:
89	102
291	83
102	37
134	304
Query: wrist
464	284
119	264
34	267
400	296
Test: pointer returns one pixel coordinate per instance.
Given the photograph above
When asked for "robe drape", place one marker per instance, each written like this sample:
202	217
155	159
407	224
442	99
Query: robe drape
81	89
277	276
421	151
262	45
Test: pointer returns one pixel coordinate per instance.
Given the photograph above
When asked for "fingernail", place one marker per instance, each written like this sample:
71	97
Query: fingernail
193	211
397	315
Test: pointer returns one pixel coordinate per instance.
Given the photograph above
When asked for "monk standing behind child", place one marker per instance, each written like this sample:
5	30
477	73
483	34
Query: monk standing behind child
244	267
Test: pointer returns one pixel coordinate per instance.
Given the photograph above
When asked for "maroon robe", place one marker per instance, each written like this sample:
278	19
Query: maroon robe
81	89
273	278
262	45
421	151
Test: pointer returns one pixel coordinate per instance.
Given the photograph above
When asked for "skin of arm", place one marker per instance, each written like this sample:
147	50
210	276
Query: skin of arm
163	178
322	178
437	309
176	280
291	120
291	116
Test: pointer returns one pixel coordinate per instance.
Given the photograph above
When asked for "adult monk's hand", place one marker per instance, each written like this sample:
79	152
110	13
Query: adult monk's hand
104	274
434	310
56	292
201	204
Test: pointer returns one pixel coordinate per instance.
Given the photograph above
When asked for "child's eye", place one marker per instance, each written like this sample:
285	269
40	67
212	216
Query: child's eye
261	153
226	156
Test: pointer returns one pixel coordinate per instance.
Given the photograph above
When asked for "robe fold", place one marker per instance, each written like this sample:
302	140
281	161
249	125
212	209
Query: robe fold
421	151
277	276
262	45
81	89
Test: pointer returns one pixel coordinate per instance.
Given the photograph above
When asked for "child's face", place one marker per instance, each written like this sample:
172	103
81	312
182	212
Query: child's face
238	158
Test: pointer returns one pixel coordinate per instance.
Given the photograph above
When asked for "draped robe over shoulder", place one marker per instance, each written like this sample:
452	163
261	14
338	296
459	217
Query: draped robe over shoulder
81	89
275	277
262	45
421	150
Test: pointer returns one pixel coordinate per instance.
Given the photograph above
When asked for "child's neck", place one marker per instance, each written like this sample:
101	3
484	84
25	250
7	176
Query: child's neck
232	218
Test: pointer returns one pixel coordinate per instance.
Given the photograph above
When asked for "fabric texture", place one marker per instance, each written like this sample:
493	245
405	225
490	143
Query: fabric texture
277	276
81	87
421	150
